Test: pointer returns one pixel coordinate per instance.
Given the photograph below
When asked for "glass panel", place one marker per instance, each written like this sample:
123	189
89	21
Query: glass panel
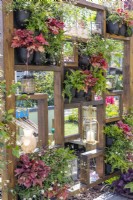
93	173
68	52
112	106
71	121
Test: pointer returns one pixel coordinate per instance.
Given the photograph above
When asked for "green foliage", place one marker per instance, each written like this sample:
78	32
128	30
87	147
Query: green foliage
116	155
97	45
130	186
112	110
74	80
111	180
44	83
73	117
59	161
114	131
114	18
100	85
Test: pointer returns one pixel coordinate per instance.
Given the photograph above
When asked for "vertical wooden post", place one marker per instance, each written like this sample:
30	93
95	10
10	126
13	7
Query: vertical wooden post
43	122
58	109
9	77
128	74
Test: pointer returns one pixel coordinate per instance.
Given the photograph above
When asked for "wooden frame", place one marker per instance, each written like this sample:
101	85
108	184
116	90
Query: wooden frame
9	68
120	95
75	55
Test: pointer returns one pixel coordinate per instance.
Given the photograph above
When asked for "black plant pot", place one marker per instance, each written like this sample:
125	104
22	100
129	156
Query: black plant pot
80	94
73	92
50	60
21	17
108	169
122	30
109	141
112	28
39	58
21	54
88	95
83	62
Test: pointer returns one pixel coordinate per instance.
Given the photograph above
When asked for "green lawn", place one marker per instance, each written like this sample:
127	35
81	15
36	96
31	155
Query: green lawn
71	128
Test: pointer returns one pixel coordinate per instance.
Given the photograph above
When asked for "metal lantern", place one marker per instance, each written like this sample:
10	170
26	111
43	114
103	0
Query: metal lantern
28	141
91	130
90	125
28	84
110	83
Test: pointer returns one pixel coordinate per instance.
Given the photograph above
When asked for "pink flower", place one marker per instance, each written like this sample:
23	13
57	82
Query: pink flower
109	100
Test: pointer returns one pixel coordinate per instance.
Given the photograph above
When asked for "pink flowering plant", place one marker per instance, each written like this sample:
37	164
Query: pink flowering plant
44	174
26	39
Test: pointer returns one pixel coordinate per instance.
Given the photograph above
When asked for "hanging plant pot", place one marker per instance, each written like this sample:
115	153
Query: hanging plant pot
88	95
50	60
129	32
112	28
80	94
21	54
84	62
109	141
39	58
122	30
108	169
21	17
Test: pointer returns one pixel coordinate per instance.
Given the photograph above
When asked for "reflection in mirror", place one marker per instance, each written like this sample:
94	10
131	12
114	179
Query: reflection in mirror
93	172
112	106
68	52
71	122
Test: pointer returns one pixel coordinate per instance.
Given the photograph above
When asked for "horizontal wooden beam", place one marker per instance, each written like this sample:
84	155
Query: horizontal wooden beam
93	154
116	37
89	5
113	119
37	68
36	96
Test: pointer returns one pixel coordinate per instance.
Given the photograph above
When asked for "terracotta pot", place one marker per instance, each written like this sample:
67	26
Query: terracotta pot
21	54
122	30
21	17
112	28
39	58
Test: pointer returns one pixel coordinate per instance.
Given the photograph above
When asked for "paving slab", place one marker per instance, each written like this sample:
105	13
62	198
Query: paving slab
110	196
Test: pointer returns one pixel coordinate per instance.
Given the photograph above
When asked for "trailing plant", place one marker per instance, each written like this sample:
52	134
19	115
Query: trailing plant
100	85
114	17
117	154
46	174
74	79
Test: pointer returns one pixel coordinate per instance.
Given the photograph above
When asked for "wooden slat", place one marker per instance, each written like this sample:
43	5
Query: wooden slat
93	154
111	36
89	5
58	109
35	96
113	119
10	102
114	93
43	122
83	102
37	68
72	105
72	137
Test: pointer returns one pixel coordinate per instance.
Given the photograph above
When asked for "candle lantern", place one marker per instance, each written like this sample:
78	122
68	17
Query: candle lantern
28	141
110	82
96	28
90	125
27	83
91	131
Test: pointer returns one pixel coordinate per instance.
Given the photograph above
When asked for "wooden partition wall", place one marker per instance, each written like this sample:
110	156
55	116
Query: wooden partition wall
60	105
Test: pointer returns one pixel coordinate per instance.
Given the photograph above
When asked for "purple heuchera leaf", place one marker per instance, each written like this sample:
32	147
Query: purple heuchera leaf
125	178
31	172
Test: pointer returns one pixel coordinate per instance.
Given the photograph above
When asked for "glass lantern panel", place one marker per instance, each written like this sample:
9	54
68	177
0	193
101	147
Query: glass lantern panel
68	52
112	106
71	126
94	176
